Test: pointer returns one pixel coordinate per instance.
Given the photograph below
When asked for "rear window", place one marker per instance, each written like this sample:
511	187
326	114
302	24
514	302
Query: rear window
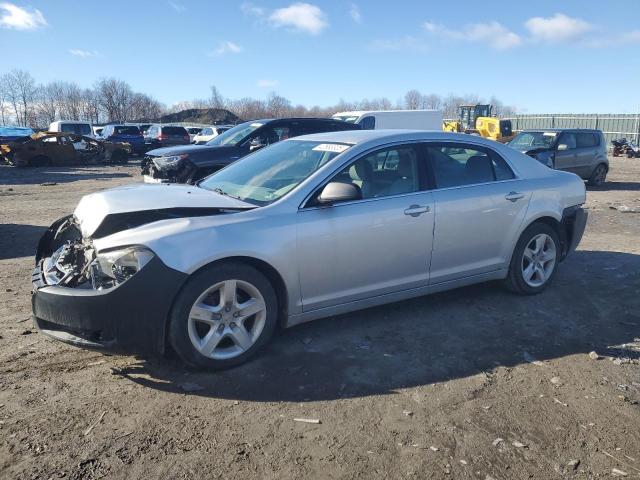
77	128
586	139
174	131
126	130
194	131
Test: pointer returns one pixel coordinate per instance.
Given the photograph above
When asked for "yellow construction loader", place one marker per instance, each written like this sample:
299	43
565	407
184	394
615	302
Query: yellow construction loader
479	120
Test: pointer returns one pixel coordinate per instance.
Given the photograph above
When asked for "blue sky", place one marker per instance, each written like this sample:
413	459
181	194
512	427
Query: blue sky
539	55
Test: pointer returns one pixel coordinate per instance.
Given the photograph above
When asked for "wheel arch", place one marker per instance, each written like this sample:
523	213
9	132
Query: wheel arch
263	267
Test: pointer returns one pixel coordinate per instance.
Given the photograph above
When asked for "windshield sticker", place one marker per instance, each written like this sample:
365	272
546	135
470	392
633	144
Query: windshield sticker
330	147
549	134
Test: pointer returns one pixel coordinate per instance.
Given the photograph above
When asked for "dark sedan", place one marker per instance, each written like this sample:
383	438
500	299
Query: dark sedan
187	164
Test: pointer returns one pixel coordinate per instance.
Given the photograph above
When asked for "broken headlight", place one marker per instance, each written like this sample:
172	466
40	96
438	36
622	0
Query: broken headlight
117	266
169	163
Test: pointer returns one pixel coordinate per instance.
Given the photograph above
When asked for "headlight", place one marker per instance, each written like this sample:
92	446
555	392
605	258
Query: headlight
115	267
168	163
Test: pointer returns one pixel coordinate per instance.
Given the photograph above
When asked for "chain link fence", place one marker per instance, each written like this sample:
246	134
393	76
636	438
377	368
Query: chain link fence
612	125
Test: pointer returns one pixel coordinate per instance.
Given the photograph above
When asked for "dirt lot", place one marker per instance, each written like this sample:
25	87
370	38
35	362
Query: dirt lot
474	383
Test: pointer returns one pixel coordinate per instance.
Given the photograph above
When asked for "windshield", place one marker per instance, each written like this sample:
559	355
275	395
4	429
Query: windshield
531	140
346	118
269	174
235	134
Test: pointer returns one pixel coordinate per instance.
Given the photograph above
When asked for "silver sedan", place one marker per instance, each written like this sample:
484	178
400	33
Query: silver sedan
307	228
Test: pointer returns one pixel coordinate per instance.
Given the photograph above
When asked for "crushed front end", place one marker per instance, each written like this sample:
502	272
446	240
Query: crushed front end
168	169
117	299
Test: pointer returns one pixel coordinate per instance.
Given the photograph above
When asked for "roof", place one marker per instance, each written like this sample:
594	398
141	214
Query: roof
356	137
359	113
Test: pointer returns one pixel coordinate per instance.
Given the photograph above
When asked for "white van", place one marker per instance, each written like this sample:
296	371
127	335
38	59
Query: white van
394	119
75	127
72	126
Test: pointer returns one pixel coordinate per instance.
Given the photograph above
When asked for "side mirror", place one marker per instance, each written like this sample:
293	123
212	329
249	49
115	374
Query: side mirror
562	147
339	192
256	144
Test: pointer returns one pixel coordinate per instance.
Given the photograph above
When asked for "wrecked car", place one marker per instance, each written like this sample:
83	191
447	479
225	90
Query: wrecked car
52	148
307	228
188	164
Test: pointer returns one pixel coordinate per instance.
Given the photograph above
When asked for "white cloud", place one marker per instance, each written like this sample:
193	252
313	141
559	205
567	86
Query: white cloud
559	28
493	34
252	9
227	47
354	12
302	17
84	53
265	83
178	7
20	18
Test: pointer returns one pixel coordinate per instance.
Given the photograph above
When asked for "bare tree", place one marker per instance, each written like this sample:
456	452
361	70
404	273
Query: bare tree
412	100
216	100
21	93
115	98
277	106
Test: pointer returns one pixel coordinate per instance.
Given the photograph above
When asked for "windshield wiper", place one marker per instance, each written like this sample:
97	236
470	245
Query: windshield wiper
222	192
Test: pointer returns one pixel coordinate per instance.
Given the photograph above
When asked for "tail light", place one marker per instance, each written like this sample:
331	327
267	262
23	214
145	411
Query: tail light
163	136
187	138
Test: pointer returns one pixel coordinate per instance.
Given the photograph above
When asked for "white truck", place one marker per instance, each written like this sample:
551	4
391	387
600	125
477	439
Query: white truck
394	119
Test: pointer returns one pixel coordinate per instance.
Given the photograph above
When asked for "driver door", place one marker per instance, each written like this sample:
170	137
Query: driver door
377	245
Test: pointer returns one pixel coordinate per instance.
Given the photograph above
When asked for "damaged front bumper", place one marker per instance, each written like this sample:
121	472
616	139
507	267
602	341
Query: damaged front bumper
173	169
71	305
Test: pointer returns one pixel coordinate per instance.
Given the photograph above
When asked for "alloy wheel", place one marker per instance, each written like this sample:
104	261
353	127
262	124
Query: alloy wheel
538	260
227	319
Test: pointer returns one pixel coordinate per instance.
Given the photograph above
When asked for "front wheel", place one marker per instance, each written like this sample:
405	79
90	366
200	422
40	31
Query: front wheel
534	260
598	176
223	316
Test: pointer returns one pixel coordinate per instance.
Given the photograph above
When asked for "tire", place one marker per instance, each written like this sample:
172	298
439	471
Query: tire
40	161
206	331
598	176
516	280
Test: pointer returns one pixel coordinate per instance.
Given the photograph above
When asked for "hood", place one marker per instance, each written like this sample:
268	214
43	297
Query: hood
529	150
160	201
199	154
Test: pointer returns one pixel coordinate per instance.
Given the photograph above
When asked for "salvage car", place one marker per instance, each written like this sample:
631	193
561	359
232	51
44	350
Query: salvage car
310	227
159	136
192	163
580	151
49	148
125	134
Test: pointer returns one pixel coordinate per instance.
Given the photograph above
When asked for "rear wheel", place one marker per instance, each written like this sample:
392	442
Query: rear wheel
223	316
598	176
534	260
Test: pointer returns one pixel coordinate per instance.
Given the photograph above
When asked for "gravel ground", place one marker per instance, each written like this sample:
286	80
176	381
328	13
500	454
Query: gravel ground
473	383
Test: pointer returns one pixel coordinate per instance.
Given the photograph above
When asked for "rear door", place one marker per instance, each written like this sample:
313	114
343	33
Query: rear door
479	207
374	246
586	153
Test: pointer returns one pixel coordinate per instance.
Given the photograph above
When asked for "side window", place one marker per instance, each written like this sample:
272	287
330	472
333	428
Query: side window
206	131
458	165
567	141
585	139
393	171
265	136
283	132
368	123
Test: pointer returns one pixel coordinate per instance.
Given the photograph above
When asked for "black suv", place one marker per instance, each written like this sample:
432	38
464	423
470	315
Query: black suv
191	163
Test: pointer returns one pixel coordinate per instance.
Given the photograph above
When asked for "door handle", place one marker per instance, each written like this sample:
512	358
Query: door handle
514	196
417	210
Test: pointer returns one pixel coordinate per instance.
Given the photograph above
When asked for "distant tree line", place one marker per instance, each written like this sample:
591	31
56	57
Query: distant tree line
26	103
